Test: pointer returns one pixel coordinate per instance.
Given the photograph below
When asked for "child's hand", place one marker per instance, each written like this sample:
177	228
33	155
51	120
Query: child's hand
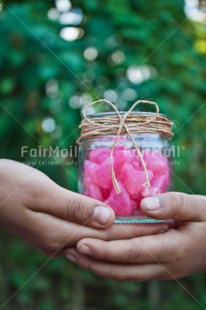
52	218
174	254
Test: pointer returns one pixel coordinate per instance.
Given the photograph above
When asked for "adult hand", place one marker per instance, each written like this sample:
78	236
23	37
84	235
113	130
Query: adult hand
171	255
50	217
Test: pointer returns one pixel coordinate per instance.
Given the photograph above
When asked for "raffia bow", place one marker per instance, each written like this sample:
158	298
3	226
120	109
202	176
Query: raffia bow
117	125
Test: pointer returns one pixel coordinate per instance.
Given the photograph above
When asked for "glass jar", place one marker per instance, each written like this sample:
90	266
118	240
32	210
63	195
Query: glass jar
95	171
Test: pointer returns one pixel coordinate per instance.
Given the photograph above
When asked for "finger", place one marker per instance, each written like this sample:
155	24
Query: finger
177	206
128	231
51	234
48	197
118	272
86	211
54	233
150	249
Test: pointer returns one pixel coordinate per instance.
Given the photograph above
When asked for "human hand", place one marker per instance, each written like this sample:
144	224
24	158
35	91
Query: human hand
177	253
50	217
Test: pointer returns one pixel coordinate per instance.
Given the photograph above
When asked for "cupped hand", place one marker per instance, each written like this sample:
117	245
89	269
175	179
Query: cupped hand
52	218
179	252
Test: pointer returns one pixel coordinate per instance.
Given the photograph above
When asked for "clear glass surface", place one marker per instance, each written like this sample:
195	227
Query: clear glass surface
95	172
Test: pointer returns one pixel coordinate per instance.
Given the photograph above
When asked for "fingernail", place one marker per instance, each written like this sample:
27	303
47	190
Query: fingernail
151	203
102	214
71	258
84	249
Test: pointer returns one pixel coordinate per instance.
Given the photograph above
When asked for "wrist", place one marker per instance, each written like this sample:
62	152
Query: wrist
6	188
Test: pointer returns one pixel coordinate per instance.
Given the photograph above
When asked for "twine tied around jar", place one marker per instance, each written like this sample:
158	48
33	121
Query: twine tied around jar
117	125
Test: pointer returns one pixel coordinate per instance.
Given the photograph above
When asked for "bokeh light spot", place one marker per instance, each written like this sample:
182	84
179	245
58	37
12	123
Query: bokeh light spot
90	53
71	33
63	5
74	17
48	125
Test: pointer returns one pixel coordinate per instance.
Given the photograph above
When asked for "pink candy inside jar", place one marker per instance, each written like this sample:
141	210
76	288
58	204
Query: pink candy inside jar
130	175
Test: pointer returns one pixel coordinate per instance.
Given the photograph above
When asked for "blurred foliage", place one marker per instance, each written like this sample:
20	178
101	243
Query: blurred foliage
127	50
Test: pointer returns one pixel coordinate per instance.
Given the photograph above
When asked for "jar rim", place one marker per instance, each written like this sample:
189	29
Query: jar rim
110	113
135	136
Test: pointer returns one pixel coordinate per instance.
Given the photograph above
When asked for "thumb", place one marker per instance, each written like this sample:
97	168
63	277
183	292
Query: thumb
85	210
50	198
177	206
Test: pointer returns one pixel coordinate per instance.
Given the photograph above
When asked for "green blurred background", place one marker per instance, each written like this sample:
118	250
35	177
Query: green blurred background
55	57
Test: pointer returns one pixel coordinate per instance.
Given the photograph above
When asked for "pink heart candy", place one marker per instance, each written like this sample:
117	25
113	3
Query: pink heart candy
161	181
93	191
134	180
120	203
155	161
101	173
99	155
122	157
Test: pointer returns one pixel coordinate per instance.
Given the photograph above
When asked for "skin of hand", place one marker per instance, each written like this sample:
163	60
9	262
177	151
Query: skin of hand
175	254
52	218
